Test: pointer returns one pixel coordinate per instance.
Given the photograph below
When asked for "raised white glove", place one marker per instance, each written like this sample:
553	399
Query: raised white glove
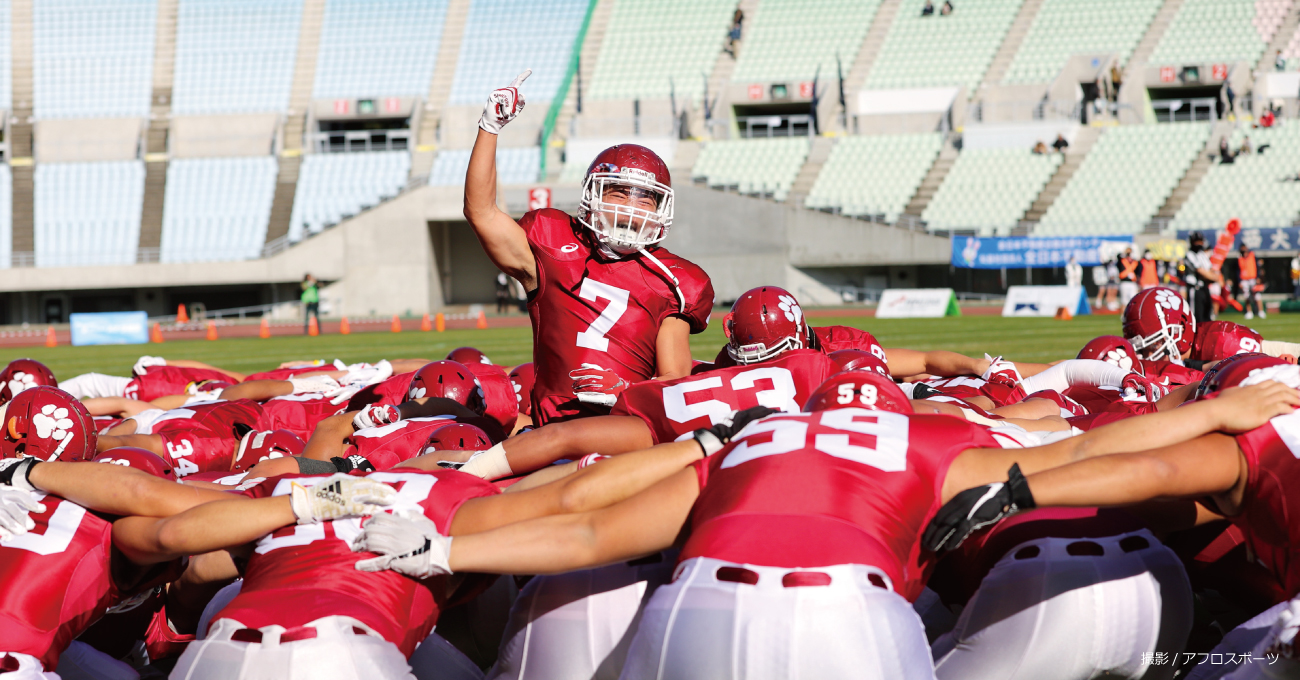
143	363
1075	372
16	506
339	496
377	415
503	105
368	374
409	545
314	383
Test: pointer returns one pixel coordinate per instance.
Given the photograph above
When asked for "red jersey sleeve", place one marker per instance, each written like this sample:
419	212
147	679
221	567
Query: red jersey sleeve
696	287
836	338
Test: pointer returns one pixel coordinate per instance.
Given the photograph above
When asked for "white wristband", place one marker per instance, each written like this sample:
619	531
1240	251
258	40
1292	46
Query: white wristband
1075	372
490	464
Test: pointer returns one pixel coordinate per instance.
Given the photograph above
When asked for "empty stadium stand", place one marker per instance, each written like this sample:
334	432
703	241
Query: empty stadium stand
753	166
1291	53
514	166
656	47
217	208
92	59
6	215
1207	31
378	48
941	50
234	56
789	39
1250	188
88	213
1066	27
334	186
1125	179
989	190
874	176
490	54
6	59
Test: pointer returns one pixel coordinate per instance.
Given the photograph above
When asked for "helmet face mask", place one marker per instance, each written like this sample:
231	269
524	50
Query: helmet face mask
627	199
1159	324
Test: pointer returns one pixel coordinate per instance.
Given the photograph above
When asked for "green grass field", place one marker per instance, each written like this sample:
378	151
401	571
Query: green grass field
1023	339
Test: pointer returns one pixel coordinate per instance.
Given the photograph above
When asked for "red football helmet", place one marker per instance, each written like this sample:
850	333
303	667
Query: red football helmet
763	323
1159	324
21	374
1248	369
140	459
467	356
457	437
257	446
522	378
49	424
448	379
858	360
1113	350
1221	339
627	224
858	389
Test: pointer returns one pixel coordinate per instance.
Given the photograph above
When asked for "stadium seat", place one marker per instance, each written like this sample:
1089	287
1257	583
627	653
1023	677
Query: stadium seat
789	39
378	48
92	59
88	213
235	56
1124	179
754	166
6	61
1220	31
874	175
332	186
654	47
941	50
217	208
1250	187
1066	27
989	190
6	215
1291	53
514	166
489	52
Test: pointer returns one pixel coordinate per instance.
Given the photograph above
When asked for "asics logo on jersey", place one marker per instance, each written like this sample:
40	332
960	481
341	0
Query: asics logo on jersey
52	423
572	247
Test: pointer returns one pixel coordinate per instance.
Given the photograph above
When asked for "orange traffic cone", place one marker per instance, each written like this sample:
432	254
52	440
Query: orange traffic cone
313	327
482	320
425	324
51	340
397	324
212	331
440	322
344	328
265	330
1063	314
181	315
155	333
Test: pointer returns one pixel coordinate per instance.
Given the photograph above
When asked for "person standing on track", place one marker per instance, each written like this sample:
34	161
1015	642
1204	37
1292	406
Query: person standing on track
1248	268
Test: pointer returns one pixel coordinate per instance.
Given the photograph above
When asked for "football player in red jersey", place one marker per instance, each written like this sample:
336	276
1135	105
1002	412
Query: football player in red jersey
609	307
821	511
21	374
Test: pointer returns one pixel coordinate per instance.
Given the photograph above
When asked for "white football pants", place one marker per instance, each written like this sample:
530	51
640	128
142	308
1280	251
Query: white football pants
80	661
1268	639
29	668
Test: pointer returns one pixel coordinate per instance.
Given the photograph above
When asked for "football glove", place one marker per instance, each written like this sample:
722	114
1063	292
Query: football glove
409	545
339	496
315	383
503	105
594	384
974	509
352	463
1001	372
712	439
16	506
377	415
1136	383
14	472
143	363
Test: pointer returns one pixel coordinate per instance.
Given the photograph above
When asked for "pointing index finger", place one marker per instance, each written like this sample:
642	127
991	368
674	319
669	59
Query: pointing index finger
519	79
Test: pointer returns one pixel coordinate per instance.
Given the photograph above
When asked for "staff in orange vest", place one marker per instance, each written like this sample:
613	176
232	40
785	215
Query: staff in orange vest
1248	276
1128	280
1148	271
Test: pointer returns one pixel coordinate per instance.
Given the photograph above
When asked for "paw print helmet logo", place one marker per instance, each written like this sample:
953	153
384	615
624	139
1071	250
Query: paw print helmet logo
762	324
449	380
23	374
1113	350
49	424
1159	324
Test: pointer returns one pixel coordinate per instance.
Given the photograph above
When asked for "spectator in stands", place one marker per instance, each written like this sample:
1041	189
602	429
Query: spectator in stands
310	301
503	293
1060	144
1268	118
1116	80
1231	97
1279	61
1128	277
1248	276
1073	273
929	10
946	9
1226	156
1148	271
733	36
1245	147
1040	148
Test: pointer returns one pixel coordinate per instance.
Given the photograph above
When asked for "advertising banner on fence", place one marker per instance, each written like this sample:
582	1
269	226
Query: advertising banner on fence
915	303
1045	300
977	252
1261	240
110	328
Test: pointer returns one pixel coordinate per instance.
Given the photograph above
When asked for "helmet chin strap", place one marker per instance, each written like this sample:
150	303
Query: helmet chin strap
677	285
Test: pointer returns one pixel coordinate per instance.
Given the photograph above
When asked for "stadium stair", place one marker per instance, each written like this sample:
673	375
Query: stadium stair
812	166
1286	33
933	178
151	210
586	69
1192	178
1083	142
867	53
1132	91
725	64
1011	43
286	187
444	74
160	108
22	236
304	75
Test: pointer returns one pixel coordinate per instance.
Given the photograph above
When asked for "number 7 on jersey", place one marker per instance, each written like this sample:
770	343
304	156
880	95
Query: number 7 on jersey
594	336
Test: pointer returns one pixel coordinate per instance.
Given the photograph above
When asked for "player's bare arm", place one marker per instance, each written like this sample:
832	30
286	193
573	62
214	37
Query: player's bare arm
115	406
673	348
118	490
533	450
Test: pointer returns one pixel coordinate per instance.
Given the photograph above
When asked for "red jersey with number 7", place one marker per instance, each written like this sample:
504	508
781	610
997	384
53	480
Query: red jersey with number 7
305	572
673	409
591	310
846	486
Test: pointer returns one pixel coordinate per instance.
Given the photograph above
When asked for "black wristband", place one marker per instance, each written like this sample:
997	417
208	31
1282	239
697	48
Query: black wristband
1021	497
15	472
